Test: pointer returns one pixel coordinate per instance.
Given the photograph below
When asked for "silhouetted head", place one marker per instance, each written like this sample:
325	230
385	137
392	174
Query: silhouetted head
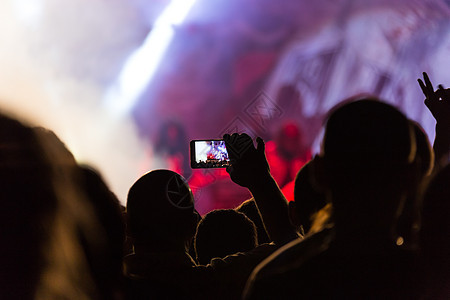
369	132
28	203
223	232
160	209
44	215
307	199
368	152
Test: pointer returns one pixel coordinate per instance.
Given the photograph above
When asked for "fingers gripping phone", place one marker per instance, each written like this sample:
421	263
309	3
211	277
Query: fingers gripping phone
208	154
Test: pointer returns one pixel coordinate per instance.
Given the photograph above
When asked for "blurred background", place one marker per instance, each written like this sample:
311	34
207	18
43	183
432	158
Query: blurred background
127	83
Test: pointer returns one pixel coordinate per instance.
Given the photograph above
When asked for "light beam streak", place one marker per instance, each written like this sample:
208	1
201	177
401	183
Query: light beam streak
143	63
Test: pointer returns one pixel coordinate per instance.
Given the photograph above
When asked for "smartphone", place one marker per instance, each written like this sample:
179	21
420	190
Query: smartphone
208	154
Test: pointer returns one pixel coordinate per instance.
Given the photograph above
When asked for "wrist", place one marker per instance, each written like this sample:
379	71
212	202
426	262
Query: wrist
261	179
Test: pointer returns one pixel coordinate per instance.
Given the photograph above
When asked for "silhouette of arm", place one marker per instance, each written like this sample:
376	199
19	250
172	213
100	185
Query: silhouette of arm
438	102
250	169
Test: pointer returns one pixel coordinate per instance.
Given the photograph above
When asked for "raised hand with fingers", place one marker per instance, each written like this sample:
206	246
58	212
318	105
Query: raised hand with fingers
248	164
438	102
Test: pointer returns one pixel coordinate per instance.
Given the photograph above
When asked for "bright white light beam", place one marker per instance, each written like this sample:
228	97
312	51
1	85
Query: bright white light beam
142	64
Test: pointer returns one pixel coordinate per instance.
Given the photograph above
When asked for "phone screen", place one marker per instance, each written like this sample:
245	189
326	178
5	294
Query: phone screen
209	154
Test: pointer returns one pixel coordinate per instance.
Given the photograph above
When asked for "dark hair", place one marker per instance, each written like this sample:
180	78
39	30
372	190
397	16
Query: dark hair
308	200
28	206
369	132
46	219
160	206
106	261
223	232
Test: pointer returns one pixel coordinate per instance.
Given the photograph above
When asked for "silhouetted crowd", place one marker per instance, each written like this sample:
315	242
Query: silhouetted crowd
370	219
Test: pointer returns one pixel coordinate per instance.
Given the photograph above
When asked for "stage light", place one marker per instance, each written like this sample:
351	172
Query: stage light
142	64
28	11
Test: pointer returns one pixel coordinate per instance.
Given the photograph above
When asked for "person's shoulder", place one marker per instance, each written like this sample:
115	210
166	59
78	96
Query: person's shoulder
237	266
225	278
277	273
257	254
156	265
294	254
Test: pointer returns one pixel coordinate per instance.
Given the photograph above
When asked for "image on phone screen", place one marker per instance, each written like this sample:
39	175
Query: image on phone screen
209	154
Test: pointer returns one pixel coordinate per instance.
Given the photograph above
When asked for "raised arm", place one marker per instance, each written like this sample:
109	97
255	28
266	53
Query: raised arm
438	102
250	169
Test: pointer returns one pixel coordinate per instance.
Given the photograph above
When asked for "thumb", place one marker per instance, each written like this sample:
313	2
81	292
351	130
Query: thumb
443	93
260	150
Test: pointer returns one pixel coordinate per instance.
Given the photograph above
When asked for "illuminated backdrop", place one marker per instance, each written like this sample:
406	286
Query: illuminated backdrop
104	74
